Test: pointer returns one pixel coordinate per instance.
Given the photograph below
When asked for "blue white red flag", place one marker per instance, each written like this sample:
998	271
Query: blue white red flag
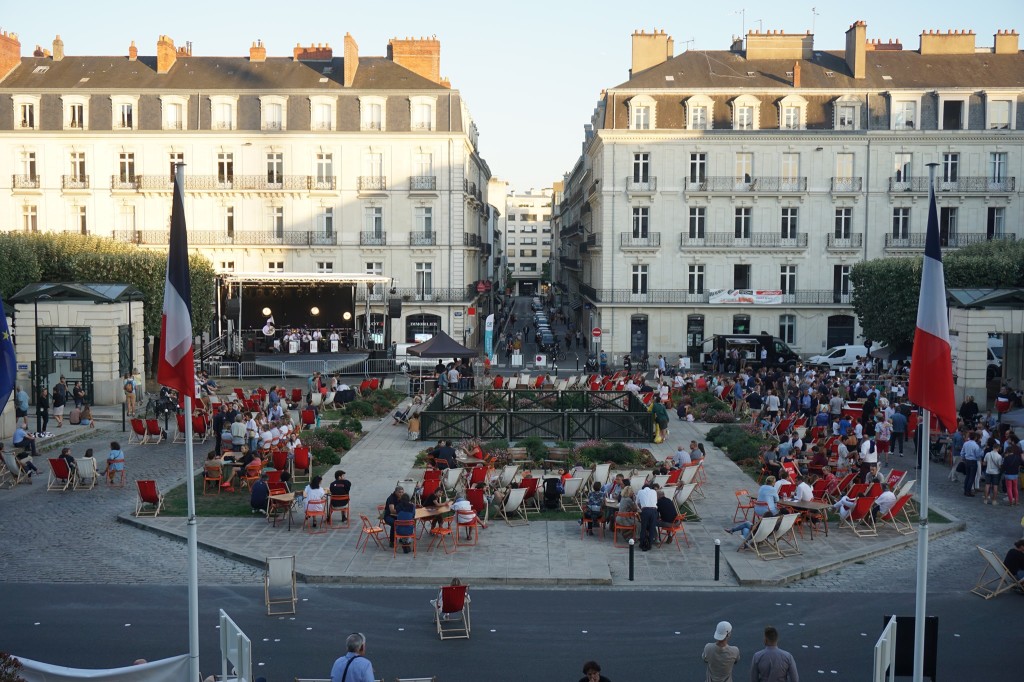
176	367
931	364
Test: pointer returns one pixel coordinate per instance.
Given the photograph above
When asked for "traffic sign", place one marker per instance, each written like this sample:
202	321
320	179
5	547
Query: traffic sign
481	287
596	332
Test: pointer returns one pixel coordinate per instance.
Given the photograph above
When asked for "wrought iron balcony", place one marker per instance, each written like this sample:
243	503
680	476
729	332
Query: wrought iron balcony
747	184
422	239
854	241
161	183
588	291
915	240
372	183
323	184
646	186
373	238
684	296
631	240
593	241
238	238
843	185
25	181
422	183
963	184
570	230
470	240
757	240
124	182
467	293
571	263
74	182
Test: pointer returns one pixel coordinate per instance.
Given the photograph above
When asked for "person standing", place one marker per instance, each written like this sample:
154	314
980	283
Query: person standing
354	666
993	463
899	431
660	417
720	656
42	411
772	664
21	406
972	455
60	399
647	501
592	673
129	394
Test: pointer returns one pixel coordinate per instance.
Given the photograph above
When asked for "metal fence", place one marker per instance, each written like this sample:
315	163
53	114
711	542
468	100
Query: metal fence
253	369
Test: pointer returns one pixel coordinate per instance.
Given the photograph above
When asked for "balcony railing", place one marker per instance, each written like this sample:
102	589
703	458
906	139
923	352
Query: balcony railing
467	293
240	238
25	181
593	241
323	184
372	183
963	184
588	291
684	296
854	241
630	240
485	249
916	240
124	182
155	182
74	182
757	240
422	239
765	183
647	185
570	230
373	238
846	184
422	183
571	263
470	240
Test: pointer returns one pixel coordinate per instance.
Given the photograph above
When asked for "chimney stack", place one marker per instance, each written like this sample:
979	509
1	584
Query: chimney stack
1006	42
796	74
166	55
351	60
950	42
321	52
10	53
58	49
856	50
420	55
257	53
133	52
650	49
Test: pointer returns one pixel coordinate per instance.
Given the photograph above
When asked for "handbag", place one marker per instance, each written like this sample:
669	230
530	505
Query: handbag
961	467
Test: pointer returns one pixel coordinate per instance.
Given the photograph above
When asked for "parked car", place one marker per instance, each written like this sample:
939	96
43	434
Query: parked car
405	362
839	356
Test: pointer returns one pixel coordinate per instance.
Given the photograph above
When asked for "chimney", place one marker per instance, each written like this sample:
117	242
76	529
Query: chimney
10	53
951	42
796	74
58	49
737	44
779	45
133	52
39	51
420	55
650	49
856	50
1007	42
257	53
321	52
165	54
351	60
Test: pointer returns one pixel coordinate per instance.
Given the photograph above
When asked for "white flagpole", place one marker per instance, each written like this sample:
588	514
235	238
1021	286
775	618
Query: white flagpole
193	551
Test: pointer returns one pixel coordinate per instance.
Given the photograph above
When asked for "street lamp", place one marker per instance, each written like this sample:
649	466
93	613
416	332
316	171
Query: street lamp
35	308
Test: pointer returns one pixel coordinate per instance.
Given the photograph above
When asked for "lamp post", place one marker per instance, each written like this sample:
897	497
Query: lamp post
35	310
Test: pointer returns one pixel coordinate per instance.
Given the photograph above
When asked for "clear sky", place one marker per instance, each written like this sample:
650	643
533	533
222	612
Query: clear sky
530	71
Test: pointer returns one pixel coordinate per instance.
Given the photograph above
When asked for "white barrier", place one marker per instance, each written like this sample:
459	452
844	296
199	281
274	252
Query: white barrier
885	654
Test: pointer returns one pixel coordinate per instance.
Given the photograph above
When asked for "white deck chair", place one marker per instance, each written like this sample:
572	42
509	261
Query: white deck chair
601	472
570	500
906	489
785	533
682	499
688	476
760	540
562	384
508	473
87	473
279	585
512	383
14	470
452	480
661	480
1002	581
637	479
513	510
329	398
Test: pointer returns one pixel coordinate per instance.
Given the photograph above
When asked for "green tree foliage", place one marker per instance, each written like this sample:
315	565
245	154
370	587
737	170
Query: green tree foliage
886	290
66	257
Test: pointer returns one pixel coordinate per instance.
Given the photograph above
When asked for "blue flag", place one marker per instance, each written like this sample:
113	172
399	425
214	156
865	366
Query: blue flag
7	362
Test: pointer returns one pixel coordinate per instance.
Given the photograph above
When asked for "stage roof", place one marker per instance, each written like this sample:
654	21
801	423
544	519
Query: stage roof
304	278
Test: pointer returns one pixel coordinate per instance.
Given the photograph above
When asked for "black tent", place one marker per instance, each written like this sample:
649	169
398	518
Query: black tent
440	346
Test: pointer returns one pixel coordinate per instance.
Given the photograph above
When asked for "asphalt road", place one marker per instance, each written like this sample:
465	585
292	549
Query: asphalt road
541	635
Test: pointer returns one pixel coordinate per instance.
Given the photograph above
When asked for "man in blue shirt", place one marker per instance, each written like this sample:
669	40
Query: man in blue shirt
772	664
899	431
353	666
972	454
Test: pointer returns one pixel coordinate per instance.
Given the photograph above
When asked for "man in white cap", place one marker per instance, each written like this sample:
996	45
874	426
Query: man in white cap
720	656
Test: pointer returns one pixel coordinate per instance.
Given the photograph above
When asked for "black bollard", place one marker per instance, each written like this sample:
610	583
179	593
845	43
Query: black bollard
124	415
718	556
631	543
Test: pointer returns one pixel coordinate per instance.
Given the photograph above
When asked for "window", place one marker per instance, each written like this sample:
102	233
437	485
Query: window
30	218
225	169
847	115
324	267
321	112
76	111
175	111
273	112
744	168
698	118
745	112
641	113
901	222
222	112
422	112
904	113
997	167
641	167
424	280
698	216
787	328
789	225
26	111
374	268
840	283
698	167
126	167
227	266
740	276
229	221
787	279
27	169
790	171
324	171
371	113
82	219
275	266
423	217
639	279
275	169
741	324
950	167
741	221
374	220
123	110
695	279
423	165
952	112
902	166
641	222
999	114
126	217
844	166
528	253
790	119
277	221
325	221
996	225
373	165
947	225
844	218
792	110
78	173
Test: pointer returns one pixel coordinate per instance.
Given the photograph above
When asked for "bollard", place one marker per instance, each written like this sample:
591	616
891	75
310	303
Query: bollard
718	556
631	543
124	415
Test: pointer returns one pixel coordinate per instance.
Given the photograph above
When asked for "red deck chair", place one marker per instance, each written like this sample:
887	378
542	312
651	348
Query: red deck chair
374	384
816	433
279	458
818	489
262	392
301	464
857	490
282	393
273	477
150	501
153	432
673	477
792	469
539	382
477	474
430	486
252	405
874	490
200	429
531	496
432	475
726	392
845	483
296	395
498	382
308	419
451	613
595	383
179	435
60	475
239	393
895	478
475	496
648	398
860	520
787	489
364	386
138	434
898	518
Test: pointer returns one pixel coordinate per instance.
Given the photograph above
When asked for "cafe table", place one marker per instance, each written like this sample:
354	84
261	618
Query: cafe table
283	502
808	509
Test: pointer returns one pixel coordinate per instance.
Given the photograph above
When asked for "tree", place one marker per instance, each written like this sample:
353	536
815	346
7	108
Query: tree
886	290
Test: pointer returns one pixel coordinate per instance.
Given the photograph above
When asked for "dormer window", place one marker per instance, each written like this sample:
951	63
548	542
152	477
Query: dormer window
322	115
642	113
422	112
792	113
174	112
1000	111
273	112
372	113
846	114
26	112
699	112
905	110
76	112
746	111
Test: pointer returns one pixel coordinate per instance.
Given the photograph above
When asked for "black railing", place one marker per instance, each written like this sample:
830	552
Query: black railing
571	263
470	240
485	249
593	241
632	240
916	240
685	296
588	291
467	293
570	230
757	240
967	184
649	184
372	183
846	184
421	183
422	239
373	238
25	181
124	182
853	241
74	182
764	183
242	238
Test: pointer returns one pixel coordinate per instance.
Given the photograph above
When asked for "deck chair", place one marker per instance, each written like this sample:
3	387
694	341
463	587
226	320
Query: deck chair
296	395
895	478
279	590
240	393
301	465
906	489
451	612
688	475
683	500
570	500
508	474
153	432
200	429
530	496
88	474
179	434
14	469
898	518
1001	581
661	480
60	475
452	480
760	539
307	419
785	533
860	520
601	472
512	383
138	432
512	510
150	502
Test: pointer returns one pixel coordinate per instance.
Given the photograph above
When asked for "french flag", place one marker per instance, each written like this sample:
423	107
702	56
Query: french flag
931	364
176	368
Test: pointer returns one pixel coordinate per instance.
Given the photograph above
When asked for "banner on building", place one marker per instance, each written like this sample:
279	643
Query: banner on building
745	296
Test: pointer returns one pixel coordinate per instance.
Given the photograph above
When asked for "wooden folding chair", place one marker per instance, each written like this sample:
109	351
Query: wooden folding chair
898	518
451	613
14	471
87	474
153	432
279	590
512	510
785	533
760	538
60	477
150	502
1001	581
570	499
138	433
860	520
683	499
179	434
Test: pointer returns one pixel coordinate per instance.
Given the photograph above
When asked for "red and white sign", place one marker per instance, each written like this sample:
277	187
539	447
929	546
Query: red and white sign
481	286
596	332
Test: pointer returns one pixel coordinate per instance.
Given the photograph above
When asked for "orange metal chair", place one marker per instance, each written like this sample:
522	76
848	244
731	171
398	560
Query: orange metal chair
316	510
624	522
250	475
442	535
676	529
339	505
212	473
471	526
405	529
369	531
743	504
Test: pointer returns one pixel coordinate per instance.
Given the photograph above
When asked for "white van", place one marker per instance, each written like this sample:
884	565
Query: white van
405	362
839	356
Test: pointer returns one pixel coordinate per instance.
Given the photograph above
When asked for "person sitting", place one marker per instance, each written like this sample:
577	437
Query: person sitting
883	503
24	441
115	462
845	506
391	511
1014	560
444	458
767	499
24	459
771	461
65	454
406	511
89	469
804	492
831	481
86	417
627	503
260	496
340	489
819	460
314	496
613	488
667	512
595	507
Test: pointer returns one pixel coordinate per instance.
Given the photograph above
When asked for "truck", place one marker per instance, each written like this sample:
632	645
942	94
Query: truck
777	354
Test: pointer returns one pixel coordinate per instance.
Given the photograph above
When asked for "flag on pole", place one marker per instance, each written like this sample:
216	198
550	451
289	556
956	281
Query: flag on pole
176	368
8	368
931	364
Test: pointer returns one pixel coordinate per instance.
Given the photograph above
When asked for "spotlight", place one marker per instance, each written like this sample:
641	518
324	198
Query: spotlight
347	316
314	310
266	311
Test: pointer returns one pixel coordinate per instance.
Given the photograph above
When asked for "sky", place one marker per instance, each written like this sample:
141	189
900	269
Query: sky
530	72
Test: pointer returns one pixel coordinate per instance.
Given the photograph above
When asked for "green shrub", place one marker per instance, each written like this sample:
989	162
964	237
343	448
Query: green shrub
535	448
739	442
360	408
325	455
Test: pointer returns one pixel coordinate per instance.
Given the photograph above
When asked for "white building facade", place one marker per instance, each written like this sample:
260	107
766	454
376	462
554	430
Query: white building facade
528	239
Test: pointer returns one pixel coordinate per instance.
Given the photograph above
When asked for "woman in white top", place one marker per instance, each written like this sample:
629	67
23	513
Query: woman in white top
314	495
663	392
993	463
